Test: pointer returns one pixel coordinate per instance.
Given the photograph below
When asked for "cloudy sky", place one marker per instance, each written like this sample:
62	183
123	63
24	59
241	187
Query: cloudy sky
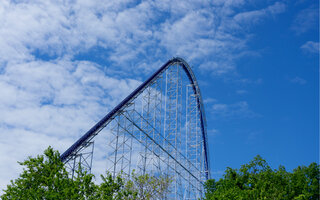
65	64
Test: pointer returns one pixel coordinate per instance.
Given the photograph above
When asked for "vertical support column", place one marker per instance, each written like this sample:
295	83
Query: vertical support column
151	115
142	164
114	144
121	144
157	122
194	144
172	132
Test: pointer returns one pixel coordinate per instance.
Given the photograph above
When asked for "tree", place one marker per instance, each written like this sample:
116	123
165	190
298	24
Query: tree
45	177
257	180
142	187
149	187
305	182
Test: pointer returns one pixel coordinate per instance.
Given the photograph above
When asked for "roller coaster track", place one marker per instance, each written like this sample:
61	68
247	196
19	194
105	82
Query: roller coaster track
168	150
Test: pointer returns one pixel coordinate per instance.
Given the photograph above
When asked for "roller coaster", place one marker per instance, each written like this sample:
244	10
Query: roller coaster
158	129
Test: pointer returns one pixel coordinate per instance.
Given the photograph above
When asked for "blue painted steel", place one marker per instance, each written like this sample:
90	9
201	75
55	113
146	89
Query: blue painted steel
112	113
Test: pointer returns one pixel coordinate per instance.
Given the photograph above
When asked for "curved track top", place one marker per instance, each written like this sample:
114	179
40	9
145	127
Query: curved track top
104	121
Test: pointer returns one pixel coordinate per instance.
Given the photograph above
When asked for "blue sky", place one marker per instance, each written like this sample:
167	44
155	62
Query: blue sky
65	64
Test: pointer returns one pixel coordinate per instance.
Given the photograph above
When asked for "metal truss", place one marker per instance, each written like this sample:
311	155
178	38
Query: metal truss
159	129
81	161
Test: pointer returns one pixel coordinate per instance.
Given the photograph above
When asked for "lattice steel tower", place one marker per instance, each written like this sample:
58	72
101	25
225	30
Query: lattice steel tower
159	129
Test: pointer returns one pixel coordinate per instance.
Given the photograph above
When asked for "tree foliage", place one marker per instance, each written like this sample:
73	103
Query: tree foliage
45	177
257	180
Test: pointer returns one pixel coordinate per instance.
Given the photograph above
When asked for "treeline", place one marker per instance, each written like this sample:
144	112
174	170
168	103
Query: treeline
45	177
257	181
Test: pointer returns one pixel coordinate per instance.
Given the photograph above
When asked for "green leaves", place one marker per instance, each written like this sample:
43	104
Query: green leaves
136	187
45	177
147	187
257	180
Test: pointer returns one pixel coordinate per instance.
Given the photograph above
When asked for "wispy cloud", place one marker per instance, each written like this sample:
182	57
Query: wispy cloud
213	132
209	100
298	80
310	47
230	111
241	91
51	103
306	19
129	32
255	16
254	137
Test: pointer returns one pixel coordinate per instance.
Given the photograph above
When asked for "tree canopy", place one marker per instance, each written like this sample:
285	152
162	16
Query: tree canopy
258	181
45	177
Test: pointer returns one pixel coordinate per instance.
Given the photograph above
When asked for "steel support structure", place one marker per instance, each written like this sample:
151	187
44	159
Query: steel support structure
159	129
172	126
81	161
194	144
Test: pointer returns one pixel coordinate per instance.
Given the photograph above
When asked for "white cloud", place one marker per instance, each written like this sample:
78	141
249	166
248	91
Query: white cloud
219	107
51	103
306	20
311	47
229	111
254	137
192	29
299	80
213	132
218	68
17	144
209	100
241	91
255	16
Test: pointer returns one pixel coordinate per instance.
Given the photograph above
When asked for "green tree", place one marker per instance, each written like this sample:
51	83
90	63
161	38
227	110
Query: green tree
149	187
304	182
45	177
257	180
142	187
